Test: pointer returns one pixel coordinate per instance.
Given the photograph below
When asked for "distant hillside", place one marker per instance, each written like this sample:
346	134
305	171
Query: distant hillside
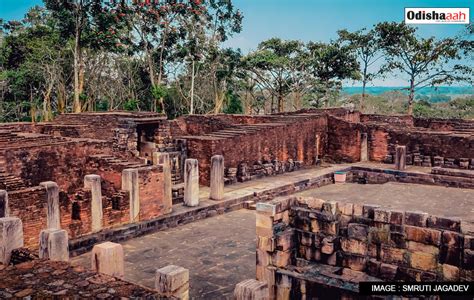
427	91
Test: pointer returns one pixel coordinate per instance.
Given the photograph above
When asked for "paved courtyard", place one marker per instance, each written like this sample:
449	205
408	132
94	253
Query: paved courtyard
436	200
218	251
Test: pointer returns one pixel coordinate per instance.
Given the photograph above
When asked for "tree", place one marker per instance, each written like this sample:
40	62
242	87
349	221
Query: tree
90	23
330	64
271	66
426	61
366	44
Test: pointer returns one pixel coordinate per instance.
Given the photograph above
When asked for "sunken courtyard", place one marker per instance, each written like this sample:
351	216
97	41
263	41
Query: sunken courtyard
300	205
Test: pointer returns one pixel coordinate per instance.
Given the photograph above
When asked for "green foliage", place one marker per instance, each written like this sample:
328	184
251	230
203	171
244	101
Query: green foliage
234	105
131	105
159	91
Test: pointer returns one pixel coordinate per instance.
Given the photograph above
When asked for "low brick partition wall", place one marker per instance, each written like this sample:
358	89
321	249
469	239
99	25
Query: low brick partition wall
43	279
303	242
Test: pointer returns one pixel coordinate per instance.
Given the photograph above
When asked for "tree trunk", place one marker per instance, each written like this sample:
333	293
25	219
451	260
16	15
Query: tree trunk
151	70
47	113
411	96
191	109
362	99
77	92
280	103
61	96
297	100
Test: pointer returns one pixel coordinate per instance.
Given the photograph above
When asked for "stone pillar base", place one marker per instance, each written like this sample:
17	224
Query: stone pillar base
54	245
11	237
251	289
107	258
172	281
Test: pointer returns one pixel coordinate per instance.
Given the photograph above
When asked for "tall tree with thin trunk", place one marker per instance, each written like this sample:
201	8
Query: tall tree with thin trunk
425	61
366	44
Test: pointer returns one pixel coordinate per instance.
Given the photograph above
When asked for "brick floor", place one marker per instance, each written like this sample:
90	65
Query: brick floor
218	251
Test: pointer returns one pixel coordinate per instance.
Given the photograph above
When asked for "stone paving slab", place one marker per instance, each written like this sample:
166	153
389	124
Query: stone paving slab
219	253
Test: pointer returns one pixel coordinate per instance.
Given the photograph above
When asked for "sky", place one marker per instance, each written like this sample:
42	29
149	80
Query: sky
305	20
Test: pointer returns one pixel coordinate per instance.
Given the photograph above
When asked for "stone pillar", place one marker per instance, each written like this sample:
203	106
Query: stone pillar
107	258
217	177
251	289
172	281
191	182
93	183
11	237
130	184
400	157
54	245
318	141
53	220
160	158
4	210
364	154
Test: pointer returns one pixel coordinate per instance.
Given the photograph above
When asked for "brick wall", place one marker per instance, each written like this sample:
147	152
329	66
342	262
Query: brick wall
344	140
309	240
151	187
62	162
294	141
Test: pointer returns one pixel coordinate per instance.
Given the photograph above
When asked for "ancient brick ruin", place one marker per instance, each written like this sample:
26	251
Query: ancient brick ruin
117	175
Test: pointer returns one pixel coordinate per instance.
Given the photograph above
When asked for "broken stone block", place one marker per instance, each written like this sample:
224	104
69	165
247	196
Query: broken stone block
11	237
53	245
191	182
217	177
464	163
93	183
107	258
172	281
52	214
4	210
251	289
130	184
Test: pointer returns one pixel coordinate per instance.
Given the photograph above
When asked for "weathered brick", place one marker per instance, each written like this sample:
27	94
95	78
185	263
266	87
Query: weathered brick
394	255
450	255
373	267
382	215
423	235
450	273
354	262
330	207
397	217
263	258
358	231
379	234
329	244
281	259
452	239
397	240
354	246
416	218
468	260
453	224
347	209
423	261
388	272
368	210
266	243
285	240
415	246
358	210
